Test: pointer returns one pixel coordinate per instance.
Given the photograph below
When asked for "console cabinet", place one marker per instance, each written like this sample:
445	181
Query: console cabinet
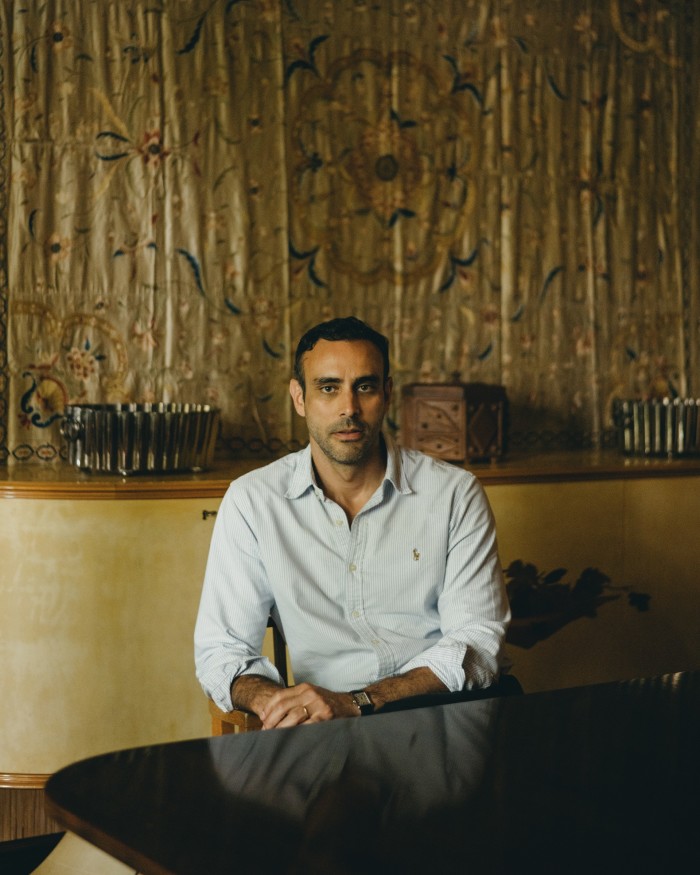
100	583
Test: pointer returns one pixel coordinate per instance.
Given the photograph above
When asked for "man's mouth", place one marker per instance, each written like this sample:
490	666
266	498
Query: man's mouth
349	433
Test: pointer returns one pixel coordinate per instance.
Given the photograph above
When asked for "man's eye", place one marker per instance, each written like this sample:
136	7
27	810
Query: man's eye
366	387
327	390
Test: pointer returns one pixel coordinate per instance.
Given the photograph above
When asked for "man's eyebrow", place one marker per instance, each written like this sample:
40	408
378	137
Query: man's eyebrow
375	379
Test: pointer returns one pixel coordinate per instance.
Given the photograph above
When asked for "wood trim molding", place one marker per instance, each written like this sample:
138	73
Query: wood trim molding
101	491
23	781
64	482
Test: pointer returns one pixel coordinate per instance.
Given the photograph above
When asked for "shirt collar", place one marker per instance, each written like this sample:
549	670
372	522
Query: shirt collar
303	477
395	468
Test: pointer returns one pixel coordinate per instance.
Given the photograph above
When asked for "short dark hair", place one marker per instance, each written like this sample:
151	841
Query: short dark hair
346	328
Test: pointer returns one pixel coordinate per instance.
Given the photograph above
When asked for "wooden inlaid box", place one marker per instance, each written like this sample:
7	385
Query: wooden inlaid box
455	421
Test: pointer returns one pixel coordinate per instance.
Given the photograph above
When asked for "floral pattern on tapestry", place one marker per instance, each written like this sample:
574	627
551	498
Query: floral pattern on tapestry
507	189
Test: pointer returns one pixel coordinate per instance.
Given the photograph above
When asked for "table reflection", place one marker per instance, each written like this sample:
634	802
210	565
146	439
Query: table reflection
361	790
593	779
413	762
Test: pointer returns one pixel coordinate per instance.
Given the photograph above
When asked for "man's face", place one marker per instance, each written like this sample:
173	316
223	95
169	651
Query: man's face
345	400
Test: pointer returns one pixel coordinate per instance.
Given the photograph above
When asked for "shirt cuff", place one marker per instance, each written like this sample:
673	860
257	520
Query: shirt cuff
456	670
218	685
443	664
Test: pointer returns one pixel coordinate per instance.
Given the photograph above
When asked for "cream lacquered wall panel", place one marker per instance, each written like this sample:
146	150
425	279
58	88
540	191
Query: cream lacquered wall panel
569	525
98	606
662	549
642	534
99	600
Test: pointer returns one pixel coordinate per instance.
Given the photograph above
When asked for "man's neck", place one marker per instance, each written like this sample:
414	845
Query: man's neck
350	486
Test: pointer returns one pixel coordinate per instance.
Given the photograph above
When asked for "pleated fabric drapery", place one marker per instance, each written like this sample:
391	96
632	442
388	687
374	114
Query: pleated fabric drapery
506	188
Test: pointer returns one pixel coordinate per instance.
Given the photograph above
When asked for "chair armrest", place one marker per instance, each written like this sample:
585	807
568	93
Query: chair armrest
229	722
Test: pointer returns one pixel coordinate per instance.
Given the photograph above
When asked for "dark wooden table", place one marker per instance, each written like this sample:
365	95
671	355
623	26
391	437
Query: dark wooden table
593	779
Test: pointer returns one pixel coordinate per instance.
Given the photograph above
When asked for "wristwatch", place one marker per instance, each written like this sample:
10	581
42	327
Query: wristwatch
363	702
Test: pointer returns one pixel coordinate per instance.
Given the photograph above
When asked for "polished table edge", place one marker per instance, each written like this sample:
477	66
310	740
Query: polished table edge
60	481
140	860
105	842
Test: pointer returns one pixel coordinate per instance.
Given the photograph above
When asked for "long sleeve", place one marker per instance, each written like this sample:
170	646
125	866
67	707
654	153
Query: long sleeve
234	608
472	606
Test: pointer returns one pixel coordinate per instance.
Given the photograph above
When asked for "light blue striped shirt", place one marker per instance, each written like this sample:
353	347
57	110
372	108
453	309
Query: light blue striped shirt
414	581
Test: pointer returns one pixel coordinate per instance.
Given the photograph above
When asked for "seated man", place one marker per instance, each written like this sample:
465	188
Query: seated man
380	564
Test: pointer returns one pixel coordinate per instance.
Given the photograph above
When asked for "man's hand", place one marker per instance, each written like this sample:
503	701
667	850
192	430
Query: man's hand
305	703
279	707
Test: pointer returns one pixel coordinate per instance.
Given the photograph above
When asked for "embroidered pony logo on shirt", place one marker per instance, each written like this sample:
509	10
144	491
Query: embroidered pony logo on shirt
416	554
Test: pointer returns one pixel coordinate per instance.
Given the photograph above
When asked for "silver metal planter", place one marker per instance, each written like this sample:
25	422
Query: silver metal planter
140	438
665	427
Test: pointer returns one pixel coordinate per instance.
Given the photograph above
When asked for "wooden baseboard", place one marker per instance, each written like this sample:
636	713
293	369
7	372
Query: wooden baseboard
22	814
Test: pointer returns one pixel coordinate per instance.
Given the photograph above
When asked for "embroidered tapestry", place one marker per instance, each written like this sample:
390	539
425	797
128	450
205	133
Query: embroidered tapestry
507	189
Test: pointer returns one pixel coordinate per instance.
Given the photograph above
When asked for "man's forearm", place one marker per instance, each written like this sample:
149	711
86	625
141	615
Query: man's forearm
277	706
417	682
250	692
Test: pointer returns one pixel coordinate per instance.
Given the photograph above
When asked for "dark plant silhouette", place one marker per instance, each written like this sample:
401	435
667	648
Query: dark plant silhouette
541	603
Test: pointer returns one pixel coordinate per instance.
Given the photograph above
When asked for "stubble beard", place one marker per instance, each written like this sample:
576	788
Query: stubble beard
349	453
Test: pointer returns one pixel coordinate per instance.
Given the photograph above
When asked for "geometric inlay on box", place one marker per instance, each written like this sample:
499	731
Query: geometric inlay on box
455	421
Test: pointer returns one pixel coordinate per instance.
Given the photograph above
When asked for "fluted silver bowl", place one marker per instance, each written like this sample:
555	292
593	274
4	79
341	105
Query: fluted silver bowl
663	427
140	438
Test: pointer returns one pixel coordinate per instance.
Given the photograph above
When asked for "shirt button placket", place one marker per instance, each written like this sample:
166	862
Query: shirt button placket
353	592
354	580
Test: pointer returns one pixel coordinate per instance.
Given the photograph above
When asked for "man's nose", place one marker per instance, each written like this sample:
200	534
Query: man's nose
349	402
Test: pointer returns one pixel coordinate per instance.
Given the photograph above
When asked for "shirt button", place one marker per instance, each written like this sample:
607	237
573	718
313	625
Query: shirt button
376	642
338	522
353	567
356	614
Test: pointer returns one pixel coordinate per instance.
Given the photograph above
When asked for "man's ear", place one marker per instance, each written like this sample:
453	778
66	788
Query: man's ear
297	393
